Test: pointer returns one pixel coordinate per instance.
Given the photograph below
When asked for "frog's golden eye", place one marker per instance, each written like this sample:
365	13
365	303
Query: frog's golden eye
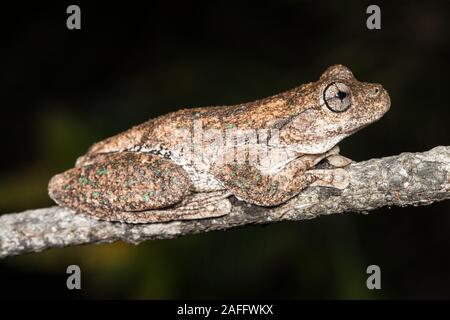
337	97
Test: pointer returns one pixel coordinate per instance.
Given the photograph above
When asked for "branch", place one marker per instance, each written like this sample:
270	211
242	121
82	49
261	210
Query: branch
406	179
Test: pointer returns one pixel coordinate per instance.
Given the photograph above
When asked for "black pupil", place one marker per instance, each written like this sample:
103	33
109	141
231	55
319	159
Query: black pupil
341	95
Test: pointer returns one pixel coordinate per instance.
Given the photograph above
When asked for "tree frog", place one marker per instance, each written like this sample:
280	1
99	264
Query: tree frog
186	164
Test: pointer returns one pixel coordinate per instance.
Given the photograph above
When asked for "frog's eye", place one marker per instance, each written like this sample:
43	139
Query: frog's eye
337	97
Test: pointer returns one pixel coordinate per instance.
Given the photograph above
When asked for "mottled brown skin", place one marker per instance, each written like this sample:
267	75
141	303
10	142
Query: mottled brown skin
311	120
248	183
151	181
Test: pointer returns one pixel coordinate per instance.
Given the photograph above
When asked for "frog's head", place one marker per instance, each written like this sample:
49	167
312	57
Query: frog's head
333	108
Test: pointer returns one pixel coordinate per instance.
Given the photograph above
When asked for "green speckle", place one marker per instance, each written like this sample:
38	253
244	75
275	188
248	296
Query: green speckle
147	196
83	180
95	194
230	125
102	171
257	178
68	186
243	184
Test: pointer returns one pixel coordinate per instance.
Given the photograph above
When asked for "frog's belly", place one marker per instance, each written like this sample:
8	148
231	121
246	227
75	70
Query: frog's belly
202	181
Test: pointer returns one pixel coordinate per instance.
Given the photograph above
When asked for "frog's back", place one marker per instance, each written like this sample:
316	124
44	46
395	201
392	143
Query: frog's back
164	130
265	113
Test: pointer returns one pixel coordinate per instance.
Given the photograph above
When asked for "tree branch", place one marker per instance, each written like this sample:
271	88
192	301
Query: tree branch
406	179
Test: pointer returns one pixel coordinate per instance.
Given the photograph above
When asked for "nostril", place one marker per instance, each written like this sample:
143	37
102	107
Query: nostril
376	91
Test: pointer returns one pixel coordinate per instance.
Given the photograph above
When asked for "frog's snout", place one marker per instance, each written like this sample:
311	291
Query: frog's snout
378	94
375	91
385	98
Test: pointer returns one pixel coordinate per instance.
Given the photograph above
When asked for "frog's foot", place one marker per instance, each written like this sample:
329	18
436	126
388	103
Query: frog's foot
334	159
338	161
195	206
335	178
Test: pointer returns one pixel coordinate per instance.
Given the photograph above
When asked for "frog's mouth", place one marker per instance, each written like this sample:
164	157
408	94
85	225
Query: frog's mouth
320	146
367	122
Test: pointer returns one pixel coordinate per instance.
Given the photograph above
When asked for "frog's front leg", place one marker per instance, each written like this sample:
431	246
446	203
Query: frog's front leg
338	161
334	178
131	187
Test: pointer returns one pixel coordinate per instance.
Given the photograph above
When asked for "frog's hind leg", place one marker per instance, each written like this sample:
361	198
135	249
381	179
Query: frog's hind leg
121	182
251	184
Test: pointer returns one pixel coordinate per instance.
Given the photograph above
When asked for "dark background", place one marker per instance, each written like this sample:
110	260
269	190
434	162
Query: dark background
62	90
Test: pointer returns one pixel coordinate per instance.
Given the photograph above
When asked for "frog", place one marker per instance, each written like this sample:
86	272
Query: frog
189	164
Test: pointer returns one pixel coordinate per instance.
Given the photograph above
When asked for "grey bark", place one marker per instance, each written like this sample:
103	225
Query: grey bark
405	179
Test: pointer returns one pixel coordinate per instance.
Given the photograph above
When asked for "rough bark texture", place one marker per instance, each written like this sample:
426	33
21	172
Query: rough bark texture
406	179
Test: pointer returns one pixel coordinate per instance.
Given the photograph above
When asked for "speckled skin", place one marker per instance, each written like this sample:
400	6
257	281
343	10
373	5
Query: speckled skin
144	171
135	181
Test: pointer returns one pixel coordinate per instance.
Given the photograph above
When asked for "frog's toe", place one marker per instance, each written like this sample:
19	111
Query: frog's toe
338	161
335	178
